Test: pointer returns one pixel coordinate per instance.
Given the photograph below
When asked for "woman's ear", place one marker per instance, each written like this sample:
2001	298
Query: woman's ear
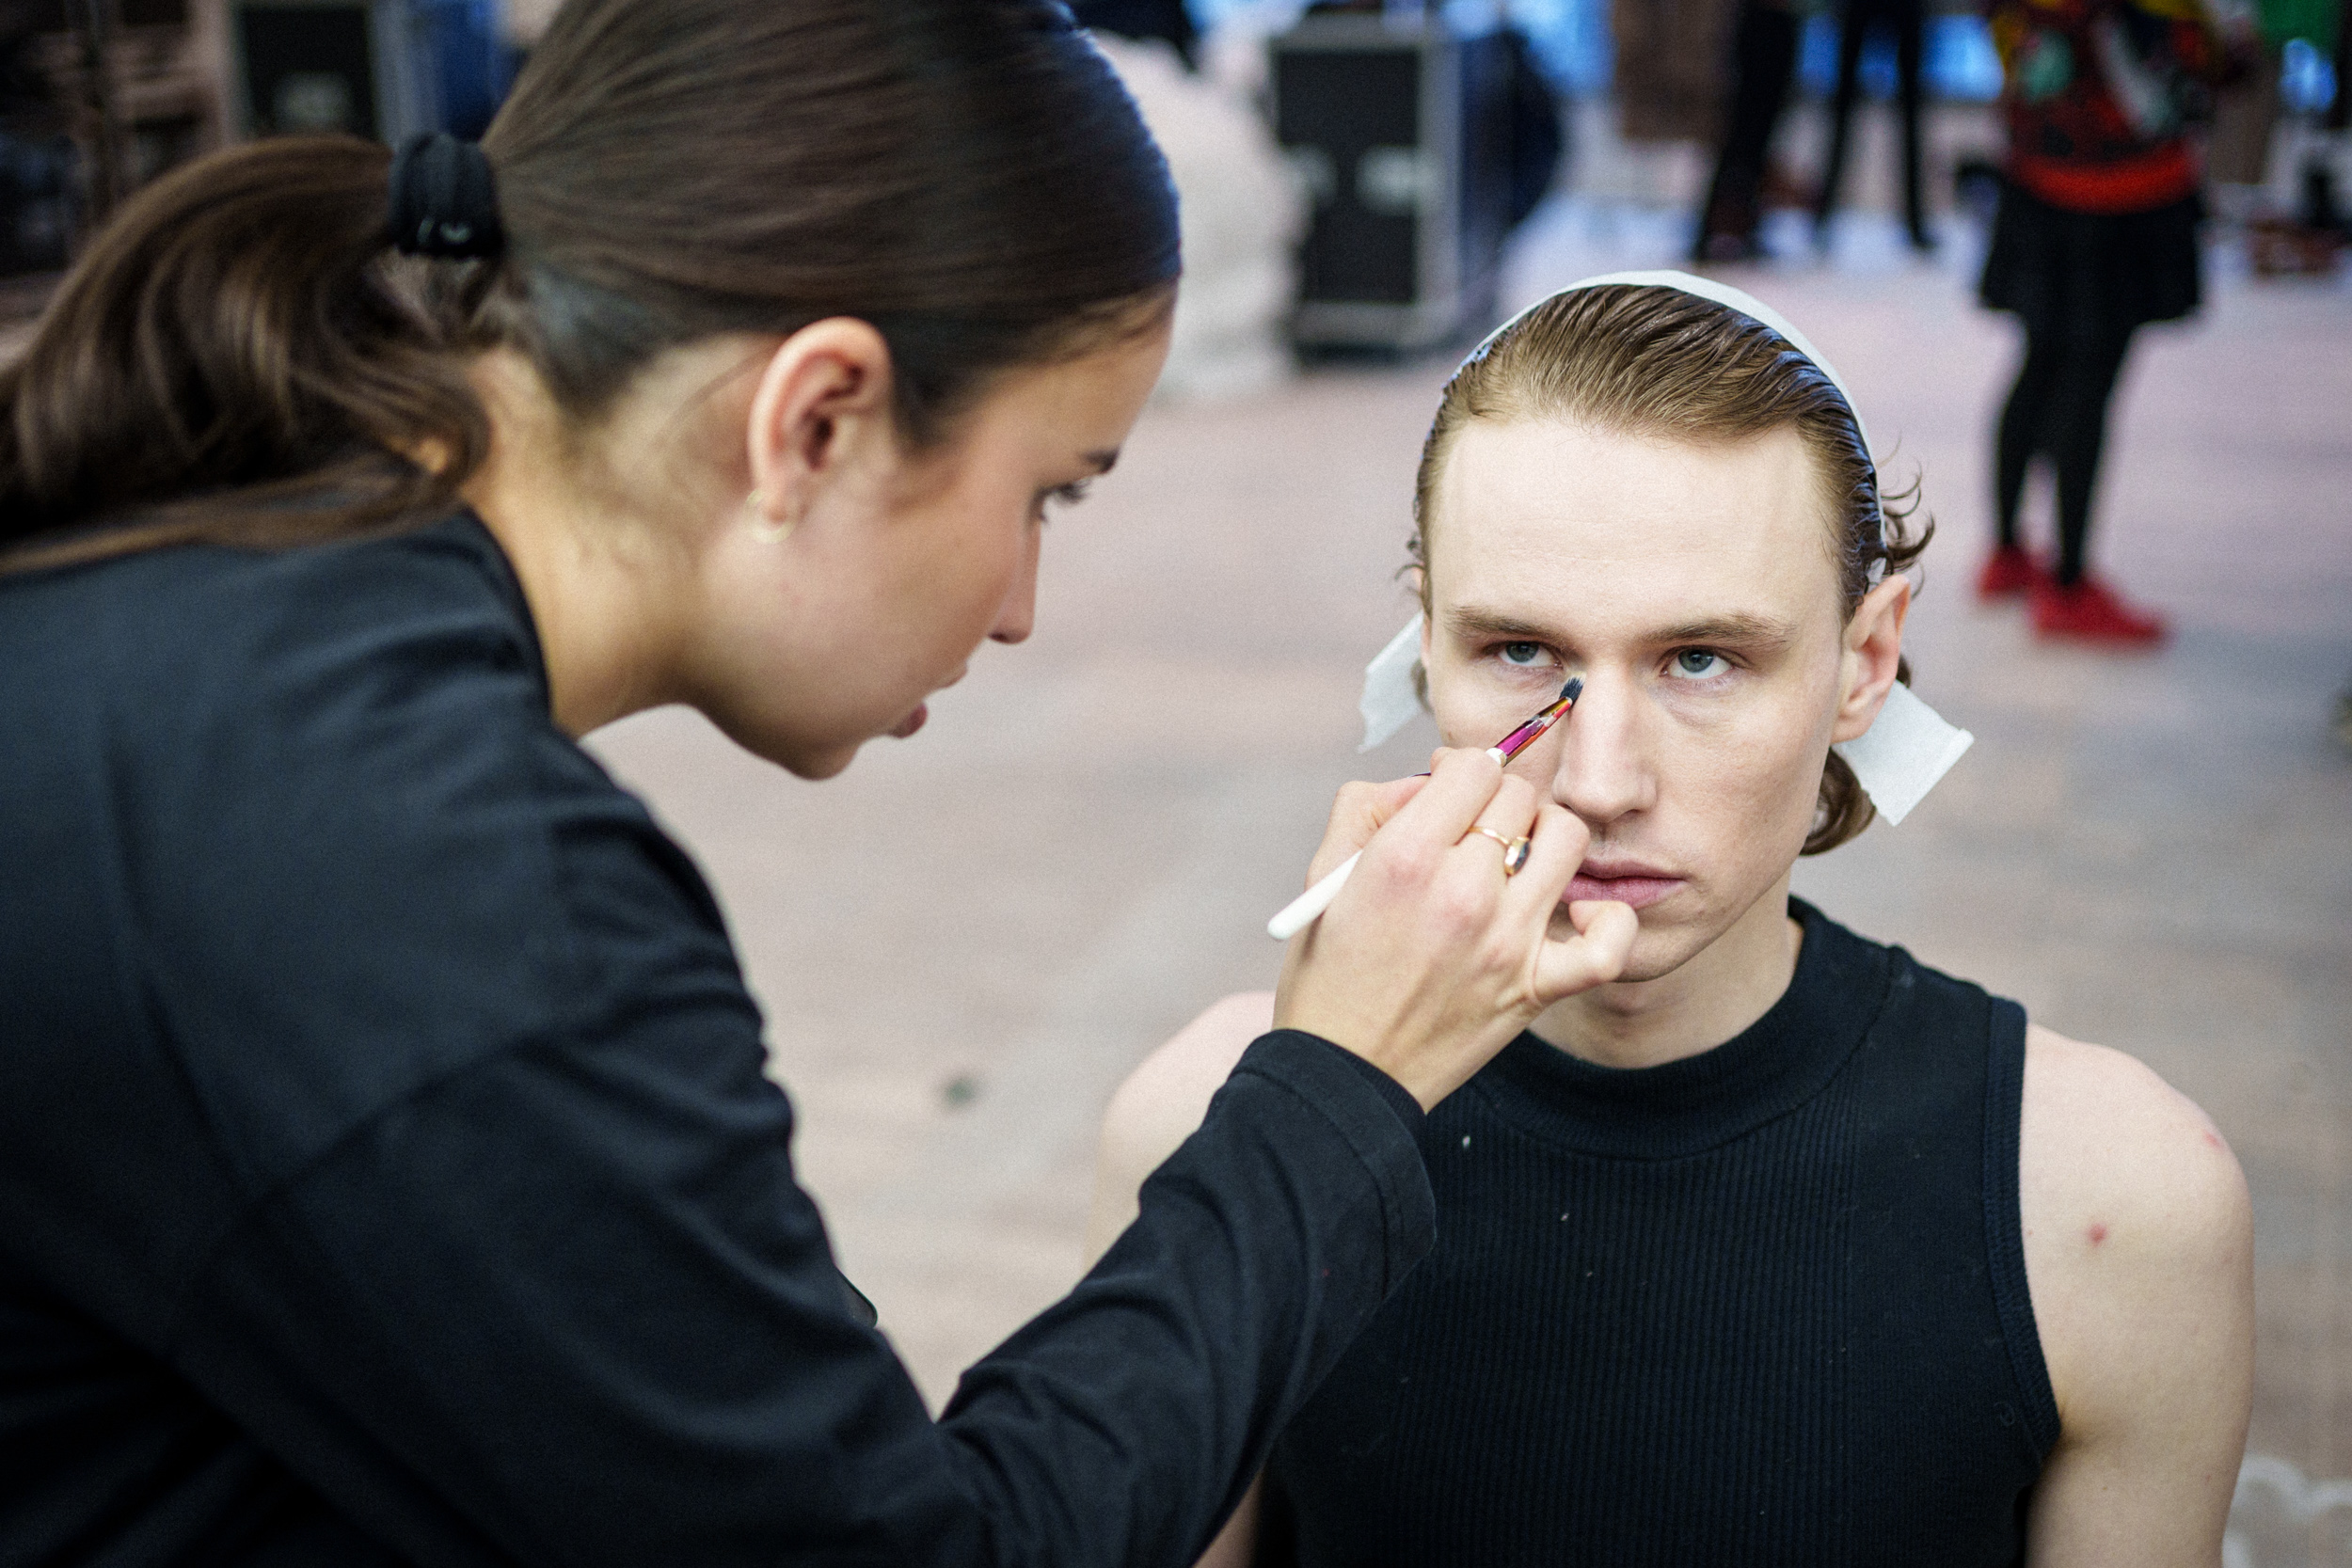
1873	654
823	406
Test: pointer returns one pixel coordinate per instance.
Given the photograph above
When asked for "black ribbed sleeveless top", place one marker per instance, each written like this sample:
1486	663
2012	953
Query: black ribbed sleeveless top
1763	1306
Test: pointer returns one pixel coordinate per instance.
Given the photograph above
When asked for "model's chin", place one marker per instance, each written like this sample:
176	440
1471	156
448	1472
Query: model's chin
1661	944
1656	955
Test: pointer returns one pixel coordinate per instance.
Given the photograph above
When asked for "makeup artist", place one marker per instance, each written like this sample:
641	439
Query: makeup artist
387	1170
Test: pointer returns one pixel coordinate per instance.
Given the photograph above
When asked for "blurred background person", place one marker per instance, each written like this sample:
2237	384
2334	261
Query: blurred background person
2095	236
1533	110
1764	63
1856	19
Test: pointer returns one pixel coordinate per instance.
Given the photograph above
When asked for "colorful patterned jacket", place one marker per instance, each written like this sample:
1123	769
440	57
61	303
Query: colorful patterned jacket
2097	95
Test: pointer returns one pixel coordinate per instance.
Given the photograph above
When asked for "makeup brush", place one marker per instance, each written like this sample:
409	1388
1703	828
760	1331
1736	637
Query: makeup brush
1301	911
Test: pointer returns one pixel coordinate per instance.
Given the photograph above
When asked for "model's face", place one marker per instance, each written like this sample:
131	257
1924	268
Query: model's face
905	564
1693	588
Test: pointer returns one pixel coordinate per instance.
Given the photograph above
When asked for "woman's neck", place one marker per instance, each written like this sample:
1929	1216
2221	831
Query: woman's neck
608	580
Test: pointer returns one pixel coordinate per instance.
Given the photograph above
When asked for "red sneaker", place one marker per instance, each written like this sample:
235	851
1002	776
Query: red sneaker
2090	611
2007	571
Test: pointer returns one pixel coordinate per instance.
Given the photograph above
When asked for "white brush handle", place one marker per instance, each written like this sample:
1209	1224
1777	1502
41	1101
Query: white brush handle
1300	912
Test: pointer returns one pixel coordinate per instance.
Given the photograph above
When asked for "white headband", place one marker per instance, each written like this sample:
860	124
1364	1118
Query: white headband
1906	750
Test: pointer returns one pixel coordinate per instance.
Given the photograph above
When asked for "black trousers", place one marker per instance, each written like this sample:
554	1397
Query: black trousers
1764	60
1907	20
2059	410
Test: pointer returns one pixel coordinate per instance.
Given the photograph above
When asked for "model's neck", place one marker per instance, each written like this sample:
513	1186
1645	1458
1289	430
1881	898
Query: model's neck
1700	1005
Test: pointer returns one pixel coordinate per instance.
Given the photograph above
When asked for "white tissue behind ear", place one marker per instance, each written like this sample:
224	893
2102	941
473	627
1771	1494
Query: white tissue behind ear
1903	754
1390	701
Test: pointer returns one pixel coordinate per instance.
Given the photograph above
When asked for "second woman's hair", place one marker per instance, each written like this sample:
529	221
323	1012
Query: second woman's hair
1657	361
241	357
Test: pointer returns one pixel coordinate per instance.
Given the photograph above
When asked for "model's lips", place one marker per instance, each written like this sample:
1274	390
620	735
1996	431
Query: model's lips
912	721
1625	883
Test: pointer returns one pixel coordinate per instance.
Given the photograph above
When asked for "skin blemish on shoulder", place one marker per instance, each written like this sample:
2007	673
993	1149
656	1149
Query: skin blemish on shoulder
2098	1232
2213	1139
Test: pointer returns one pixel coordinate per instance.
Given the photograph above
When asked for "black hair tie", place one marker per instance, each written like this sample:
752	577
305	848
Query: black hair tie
445	202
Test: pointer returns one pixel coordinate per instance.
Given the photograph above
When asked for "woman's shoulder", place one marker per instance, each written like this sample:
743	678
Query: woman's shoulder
293	708
440	597
192	630
201	713
310	808
282	675
290	730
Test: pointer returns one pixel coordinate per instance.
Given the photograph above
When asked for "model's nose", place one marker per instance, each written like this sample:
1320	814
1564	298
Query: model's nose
1602	769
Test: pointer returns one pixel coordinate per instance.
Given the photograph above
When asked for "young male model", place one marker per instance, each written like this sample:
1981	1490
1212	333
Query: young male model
1784	1248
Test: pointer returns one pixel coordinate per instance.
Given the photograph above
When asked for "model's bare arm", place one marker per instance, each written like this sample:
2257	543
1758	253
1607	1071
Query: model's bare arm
1158	1107
1161	1104
2140	1254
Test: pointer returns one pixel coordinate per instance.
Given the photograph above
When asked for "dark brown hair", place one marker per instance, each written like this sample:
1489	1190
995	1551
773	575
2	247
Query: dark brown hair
1656	361
241	357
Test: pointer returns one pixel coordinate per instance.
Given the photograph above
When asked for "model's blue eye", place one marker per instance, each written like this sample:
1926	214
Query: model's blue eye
1697	664
1526	654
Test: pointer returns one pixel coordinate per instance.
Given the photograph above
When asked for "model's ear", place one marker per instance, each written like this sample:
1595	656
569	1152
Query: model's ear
823	406
1873	654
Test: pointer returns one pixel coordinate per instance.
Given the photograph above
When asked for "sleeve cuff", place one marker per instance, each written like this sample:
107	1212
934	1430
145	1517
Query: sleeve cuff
1400	1098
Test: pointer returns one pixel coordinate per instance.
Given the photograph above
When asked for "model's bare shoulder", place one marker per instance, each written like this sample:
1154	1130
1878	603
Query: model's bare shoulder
2139	1255
2119	1170
1162	1103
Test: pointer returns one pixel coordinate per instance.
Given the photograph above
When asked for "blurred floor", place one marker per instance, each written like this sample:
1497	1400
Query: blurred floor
965	942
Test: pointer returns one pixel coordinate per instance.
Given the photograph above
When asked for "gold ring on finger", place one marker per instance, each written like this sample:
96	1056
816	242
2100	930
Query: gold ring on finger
1515	850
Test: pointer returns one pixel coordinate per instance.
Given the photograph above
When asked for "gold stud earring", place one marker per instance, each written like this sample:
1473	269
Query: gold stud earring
765	530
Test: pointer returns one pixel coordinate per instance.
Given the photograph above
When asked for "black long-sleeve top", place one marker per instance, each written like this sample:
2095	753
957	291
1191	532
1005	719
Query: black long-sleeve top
388	1173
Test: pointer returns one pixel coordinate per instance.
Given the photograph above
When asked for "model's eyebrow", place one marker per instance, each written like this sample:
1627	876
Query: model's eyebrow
1755	633
1102	461
1475	621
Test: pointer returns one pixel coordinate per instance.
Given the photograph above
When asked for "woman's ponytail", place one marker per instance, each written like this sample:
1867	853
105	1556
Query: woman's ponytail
233	355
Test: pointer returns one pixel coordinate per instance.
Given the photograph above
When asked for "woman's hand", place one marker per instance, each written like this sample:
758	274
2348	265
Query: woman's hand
1431	960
